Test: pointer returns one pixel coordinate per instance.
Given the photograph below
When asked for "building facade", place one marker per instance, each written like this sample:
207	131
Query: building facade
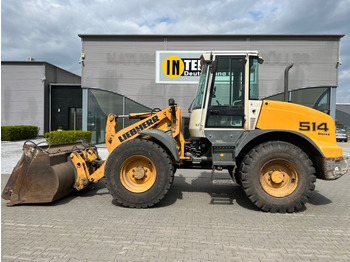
131	64
343	116
123	74
150	69
26	99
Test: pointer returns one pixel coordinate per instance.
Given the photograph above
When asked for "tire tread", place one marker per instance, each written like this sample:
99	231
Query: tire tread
266	148
123	200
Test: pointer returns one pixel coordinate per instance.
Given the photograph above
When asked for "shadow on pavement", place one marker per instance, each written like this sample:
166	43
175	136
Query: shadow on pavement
317	199
219	194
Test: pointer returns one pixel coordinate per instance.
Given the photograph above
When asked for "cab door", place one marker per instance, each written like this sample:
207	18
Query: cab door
226	101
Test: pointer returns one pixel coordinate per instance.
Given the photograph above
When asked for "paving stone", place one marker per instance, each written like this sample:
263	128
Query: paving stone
186	226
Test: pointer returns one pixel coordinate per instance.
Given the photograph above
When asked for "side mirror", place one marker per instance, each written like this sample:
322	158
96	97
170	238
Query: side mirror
172	102
261	61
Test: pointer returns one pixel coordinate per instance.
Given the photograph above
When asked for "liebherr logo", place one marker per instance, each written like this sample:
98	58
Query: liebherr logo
138	128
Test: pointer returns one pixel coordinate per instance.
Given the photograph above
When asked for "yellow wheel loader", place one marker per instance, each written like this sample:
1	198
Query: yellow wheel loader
274	150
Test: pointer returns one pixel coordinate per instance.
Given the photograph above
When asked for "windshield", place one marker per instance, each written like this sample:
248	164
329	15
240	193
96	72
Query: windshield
198	102
254	79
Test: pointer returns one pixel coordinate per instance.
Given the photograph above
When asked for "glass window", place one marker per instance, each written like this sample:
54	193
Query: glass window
75	118
314	97
323	102
254	79
226	108
227	87
133	107
311	97
198	102
277	97
101	103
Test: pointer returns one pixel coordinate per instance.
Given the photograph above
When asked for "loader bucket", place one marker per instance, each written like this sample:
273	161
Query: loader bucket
42	175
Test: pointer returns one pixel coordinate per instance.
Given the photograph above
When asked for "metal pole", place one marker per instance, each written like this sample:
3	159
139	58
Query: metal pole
286	71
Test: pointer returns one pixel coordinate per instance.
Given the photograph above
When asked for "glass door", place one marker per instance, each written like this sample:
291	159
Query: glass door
226	104
75	118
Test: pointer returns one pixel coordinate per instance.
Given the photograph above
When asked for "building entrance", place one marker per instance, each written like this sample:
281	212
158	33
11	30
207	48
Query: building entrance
66	107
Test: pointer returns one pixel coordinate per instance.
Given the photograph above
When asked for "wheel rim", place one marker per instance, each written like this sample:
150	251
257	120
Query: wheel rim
138	174
279	178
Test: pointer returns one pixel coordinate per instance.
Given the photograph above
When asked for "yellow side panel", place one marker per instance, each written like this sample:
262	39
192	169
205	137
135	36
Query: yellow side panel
314	124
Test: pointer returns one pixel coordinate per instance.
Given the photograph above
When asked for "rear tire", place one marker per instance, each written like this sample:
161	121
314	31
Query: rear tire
139	173
277	177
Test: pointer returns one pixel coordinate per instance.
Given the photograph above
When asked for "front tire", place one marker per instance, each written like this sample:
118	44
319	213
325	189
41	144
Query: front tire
277	177
139	173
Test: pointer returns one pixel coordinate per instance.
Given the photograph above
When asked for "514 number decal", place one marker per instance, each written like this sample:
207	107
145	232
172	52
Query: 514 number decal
313	126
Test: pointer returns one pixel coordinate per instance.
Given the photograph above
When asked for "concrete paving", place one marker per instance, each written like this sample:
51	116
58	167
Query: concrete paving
197	221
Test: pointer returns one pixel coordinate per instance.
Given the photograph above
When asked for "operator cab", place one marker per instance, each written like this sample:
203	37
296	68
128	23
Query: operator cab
228	93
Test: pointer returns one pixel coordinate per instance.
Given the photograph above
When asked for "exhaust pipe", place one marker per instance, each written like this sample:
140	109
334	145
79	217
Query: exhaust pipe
286	73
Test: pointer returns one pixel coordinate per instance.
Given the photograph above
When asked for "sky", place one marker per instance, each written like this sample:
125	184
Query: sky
47	30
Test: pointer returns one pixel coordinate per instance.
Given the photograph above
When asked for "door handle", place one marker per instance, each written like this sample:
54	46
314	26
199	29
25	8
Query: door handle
214	111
